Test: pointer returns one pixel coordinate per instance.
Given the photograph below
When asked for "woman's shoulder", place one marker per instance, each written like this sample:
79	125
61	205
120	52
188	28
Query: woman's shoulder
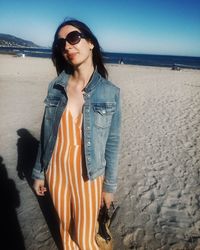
110	85
60	79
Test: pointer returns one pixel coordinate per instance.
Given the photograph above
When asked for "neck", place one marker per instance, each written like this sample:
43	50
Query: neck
82	74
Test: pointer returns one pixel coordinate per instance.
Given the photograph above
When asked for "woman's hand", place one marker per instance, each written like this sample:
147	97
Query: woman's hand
39	187
107	198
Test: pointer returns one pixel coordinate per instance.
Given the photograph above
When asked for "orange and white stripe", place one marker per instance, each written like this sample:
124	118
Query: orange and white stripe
76	199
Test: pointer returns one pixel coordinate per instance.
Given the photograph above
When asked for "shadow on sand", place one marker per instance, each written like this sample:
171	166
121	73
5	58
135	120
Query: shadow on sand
11	234
27	146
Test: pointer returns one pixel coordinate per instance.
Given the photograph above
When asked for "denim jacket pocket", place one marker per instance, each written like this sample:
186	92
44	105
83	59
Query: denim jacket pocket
103	114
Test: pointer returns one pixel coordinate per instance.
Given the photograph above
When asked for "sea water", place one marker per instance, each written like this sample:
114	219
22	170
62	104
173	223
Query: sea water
122	58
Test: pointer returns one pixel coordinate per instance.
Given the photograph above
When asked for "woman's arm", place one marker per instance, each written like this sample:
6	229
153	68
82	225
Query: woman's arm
112	149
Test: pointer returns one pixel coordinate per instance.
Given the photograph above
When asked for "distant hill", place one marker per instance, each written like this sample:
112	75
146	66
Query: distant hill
13	41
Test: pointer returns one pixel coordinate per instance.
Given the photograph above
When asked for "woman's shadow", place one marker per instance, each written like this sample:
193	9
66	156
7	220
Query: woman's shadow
11	234
27	147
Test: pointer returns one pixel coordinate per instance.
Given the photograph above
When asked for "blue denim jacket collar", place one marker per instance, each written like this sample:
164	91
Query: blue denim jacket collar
63	78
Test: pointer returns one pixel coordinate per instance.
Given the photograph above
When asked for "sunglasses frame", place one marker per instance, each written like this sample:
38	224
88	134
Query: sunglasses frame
61	42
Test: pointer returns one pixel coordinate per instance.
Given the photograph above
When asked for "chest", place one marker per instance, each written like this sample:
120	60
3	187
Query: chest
75	100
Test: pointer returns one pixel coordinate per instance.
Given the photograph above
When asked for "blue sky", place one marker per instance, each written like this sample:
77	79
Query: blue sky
134	26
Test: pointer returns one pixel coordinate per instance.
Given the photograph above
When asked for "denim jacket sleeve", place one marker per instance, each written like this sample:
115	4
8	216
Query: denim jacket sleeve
112	149
38	172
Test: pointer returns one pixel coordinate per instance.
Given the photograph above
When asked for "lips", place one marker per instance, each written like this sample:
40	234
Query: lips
71	55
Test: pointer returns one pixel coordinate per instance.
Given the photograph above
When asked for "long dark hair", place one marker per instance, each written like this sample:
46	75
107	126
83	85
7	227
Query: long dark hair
60	62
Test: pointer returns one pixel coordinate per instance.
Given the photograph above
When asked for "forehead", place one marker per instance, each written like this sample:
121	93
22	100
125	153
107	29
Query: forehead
64	31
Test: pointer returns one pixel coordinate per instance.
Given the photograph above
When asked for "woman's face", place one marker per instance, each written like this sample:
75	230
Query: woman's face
78	53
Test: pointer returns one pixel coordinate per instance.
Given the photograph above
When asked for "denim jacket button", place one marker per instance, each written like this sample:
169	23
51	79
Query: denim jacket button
88	143
88	158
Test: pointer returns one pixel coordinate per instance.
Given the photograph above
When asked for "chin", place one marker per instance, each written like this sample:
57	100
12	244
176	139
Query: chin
75	63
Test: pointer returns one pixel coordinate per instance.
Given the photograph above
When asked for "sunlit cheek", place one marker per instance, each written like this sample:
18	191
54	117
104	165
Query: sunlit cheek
89	50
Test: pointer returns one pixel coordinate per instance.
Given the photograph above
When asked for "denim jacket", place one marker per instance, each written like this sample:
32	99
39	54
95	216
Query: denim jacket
101	128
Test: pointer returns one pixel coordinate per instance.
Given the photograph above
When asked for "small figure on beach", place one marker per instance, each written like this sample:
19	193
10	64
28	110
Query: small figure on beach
121	61
78	153
176	67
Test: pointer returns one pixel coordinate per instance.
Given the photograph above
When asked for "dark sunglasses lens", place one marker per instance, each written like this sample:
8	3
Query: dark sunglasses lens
73	37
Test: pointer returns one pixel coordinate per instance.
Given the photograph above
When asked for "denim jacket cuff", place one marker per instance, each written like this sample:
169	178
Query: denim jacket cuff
109	188
37	174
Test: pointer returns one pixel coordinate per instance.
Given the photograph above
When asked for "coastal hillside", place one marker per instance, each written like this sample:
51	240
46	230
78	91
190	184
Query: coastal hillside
7	40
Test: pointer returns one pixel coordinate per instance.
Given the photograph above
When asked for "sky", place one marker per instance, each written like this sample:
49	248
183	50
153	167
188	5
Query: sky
166	27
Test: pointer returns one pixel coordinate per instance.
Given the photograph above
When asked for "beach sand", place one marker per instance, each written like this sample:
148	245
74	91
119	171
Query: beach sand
158	185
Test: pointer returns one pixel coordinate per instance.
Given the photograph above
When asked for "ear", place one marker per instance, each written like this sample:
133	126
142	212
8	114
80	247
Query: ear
91	45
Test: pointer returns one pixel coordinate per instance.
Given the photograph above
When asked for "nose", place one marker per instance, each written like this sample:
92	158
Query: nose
68	45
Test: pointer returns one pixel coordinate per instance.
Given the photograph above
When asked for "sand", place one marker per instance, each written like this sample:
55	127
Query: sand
158	185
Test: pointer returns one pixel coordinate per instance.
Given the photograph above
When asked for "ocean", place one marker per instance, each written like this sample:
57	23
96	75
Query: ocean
123	58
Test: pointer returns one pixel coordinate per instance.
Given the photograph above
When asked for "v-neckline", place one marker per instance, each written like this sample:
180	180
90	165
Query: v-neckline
76	119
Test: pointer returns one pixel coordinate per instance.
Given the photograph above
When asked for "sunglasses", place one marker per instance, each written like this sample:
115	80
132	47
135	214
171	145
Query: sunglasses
73	38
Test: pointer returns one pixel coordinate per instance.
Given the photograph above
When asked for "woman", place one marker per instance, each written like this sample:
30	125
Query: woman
78	152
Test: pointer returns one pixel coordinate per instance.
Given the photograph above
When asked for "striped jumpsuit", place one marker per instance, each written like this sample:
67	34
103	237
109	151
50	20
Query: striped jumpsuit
76	199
